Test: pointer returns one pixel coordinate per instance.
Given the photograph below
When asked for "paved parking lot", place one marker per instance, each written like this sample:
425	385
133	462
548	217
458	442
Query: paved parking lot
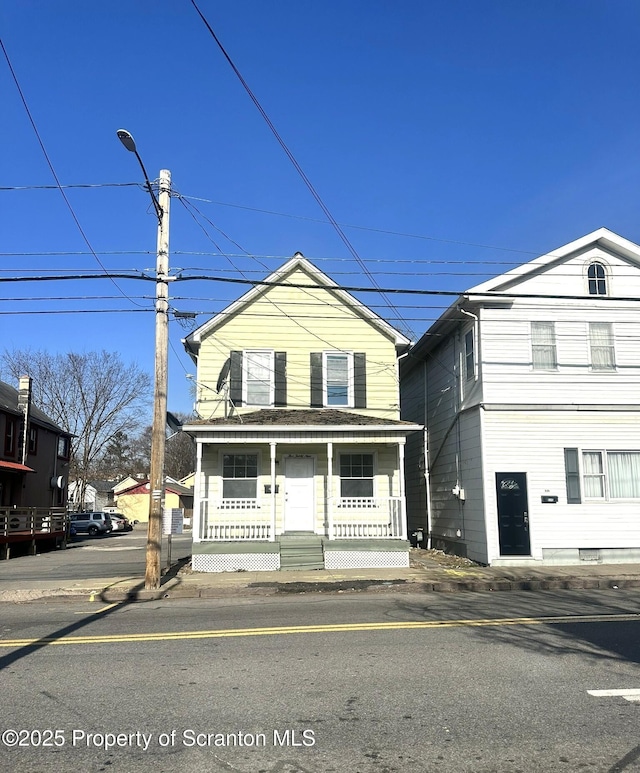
121	554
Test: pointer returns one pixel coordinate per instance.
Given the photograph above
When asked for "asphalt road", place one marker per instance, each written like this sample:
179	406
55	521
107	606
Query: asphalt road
460	683
120	554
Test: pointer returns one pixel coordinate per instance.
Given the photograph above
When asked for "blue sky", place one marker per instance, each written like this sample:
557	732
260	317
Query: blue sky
480	132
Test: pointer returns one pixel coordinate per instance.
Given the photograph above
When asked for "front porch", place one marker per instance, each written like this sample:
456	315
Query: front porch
339	487
264	556
231	520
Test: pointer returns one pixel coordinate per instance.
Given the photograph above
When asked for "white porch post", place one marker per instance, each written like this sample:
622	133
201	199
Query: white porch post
273	491
330	490
403	501
196	524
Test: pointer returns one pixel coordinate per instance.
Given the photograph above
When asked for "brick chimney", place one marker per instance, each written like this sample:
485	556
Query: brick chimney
24	406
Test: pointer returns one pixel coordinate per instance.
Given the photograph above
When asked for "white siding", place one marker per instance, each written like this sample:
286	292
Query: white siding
507	371
534	442
458	521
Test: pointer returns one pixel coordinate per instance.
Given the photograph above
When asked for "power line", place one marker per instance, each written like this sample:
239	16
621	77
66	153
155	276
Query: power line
65	187
332	288
53	171
295	163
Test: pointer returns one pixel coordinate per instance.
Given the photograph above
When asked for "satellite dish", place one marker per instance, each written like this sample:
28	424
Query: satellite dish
173	422
224	375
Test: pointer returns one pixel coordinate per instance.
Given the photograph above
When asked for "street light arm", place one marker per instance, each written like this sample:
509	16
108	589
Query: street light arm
156	203
126	138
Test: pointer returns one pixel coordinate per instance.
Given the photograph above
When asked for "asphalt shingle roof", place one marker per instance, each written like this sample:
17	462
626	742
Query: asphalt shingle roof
291	418
9	402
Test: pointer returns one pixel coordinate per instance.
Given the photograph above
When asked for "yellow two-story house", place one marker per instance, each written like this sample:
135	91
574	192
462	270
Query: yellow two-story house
300	450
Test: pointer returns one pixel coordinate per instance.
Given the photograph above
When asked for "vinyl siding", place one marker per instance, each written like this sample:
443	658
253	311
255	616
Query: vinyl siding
534	442
454	521
569	276
299	322
386	477
507	371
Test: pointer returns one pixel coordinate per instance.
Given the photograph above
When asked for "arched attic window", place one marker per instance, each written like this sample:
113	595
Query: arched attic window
597	278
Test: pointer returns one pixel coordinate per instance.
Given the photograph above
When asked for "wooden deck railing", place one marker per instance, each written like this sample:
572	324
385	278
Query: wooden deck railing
31	522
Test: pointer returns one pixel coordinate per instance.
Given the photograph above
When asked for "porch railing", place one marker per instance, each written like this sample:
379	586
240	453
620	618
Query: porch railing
351	518
37	522
368	518
235	519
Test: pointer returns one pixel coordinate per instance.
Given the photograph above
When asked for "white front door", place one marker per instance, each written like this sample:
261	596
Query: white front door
299	499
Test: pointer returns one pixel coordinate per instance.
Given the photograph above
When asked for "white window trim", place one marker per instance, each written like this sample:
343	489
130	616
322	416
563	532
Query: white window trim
614	369
352	452
245	376
236	451
605	473
607	276
474	340
350	378
556	368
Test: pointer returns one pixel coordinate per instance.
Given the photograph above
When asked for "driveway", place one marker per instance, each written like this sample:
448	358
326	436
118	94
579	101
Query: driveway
120	554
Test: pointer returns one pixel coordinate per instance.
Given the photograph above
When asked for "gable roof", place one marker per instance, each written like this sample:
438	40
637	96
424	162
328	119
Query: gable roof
9	402
171	485
319	278
602	237
503	284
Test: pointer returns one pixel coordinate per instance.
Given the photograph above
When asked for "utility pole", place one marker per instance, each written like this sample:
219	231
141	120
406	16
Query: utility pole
158	428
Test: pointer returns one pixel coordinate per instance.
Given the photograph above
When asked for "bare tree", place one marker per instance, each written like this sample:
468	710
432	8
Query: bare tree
93	395
180	452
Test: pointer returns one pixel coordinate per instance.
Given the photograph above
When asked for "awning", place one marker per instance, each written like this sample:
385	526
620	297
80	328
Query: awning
14	467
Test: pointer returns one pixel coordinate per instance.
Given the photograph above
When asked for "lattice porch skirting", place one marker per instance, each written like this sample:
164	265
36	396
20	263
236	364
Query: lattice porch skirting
366	559
235	562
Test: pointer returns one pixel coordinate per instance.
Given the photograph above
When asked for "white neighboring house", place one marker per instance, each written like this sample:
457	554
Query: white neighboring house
89	500
529	385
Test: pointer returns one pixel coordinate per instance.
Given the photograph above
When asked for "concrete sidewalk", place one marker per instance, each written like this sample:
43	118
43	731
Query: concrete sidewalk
425	575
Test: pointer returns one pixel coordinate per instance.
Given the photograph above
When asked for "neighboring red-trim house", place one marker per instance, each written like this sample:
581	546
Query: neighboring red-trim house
133	502
34	465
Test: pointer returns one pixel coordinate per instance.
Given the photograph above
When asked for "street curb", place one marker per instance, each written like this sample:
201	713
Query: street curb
174	589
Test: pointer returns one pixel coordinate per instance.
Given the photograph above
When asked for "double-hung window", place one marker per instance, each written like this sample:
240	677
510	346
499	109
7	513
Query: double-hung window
64	447
543	346
338	379
10	437
603	355
33	440
593	474
611	474
356	476
258	377
239	476
469	356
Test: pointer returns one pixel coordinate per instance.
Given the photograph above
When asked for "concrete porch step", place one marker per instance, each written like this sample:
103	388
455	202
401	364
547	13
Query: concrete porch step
301	551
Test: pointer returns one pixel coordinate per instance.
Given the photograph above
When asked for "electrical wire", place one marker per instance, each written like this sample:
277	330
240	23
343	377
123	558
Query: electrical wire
53	172
297	167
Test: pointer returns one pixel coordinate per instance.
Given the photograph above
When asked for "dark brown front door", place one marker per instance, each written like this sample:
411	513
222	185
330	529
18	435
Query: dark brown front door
513	513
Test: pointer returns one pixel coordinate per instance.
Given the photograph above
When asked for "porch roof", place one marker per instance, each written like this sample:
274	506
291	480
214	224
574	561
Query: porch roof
313	420
15	467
